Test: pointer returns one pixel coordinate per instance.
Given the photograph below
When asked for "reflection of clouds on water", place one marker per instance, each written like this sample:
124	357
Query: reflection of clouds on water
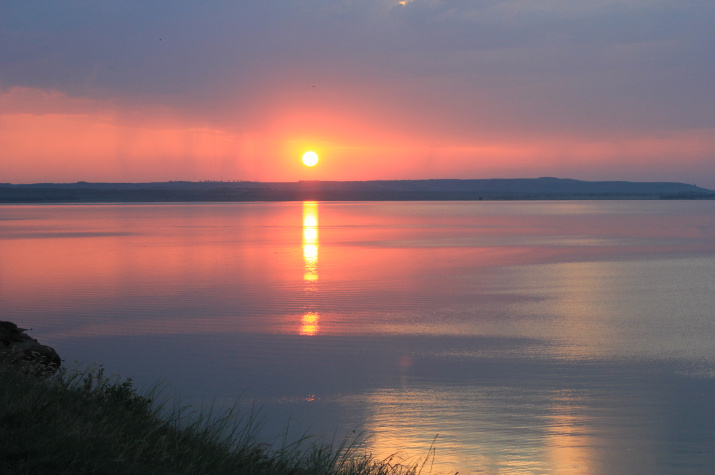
569	443
524	348
309	321
643	308
506	429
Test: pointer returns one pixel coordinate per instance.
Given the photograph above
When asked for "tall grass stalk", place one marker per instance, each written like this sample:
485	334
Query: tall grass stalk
81	421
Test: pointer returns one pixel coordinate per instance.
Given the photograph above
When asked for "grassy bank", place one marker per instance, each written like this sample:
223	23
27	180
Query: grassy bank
83	422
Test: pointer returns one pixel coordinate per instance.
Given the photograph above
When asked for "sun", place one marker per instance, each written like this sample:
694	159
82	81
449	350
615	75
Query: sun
310	158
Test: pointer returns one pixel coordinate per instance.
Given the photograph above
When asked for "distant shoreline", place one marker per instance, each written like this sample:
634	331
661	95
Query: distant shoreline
526	189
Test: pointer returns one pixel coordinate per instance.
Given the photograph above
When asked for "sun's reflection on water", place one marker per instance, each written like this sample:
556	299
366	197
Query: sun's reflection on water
309	324
310	241
309	321
310	259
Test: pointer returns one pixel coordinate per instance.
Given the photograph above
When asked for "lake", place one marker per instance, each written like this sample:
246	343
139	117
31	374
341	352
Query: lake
528	337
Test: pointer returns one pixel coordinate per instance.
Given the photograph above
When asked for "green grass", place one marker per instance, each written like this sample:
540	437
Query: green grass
83	422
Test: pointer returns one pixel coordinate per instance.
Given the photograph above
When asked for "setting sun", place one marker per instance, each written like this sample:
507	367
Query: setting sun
310	158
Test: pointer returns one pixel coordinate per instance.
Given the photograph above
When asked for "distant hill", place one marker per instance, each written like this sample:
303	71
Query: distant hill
546	188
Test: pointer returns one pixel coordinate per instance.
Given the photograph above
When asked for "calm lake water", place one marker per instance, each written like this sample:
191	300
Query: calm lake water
533	337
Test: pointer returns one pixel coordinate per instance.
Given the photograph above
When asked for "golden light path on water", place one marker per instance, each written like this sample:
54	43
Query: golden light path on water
311	319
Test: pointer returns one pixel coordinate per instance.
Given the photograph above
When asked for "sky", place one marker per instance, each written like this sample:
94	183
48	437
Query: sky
135	91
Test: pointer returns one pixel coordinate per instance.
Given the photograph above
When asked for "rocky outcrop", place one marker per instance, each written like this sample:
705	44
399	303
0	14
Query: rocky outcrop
17	349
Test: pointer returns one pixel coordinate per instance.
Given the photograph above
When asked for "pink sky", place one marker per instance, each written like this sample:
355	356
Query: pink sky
601	91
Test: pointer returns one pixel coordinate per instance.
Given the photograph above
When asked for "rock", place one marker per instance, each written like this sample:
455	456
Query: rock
17	349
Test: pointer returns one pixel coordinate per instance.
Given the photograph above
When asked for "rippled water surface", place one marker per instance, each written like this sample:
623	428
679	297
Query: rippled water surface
531	337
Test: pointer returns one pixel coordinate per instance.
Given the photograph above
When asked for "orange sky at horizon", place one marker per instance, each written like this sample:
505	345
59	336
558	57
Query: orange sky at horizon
380	90
51	137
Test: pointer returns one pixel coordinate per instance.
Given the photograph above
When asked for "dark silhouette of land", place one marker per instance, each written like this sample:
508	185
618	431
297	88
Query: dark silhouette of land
388	190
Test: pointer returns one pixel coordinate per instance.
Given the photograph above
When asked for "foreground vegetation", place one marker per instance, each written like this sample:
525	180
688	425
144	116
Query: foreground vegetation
83	422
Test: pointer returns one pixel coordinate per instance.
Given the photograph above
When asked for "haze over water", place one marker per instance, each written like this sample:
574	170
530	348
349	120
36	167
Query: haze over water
533	337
